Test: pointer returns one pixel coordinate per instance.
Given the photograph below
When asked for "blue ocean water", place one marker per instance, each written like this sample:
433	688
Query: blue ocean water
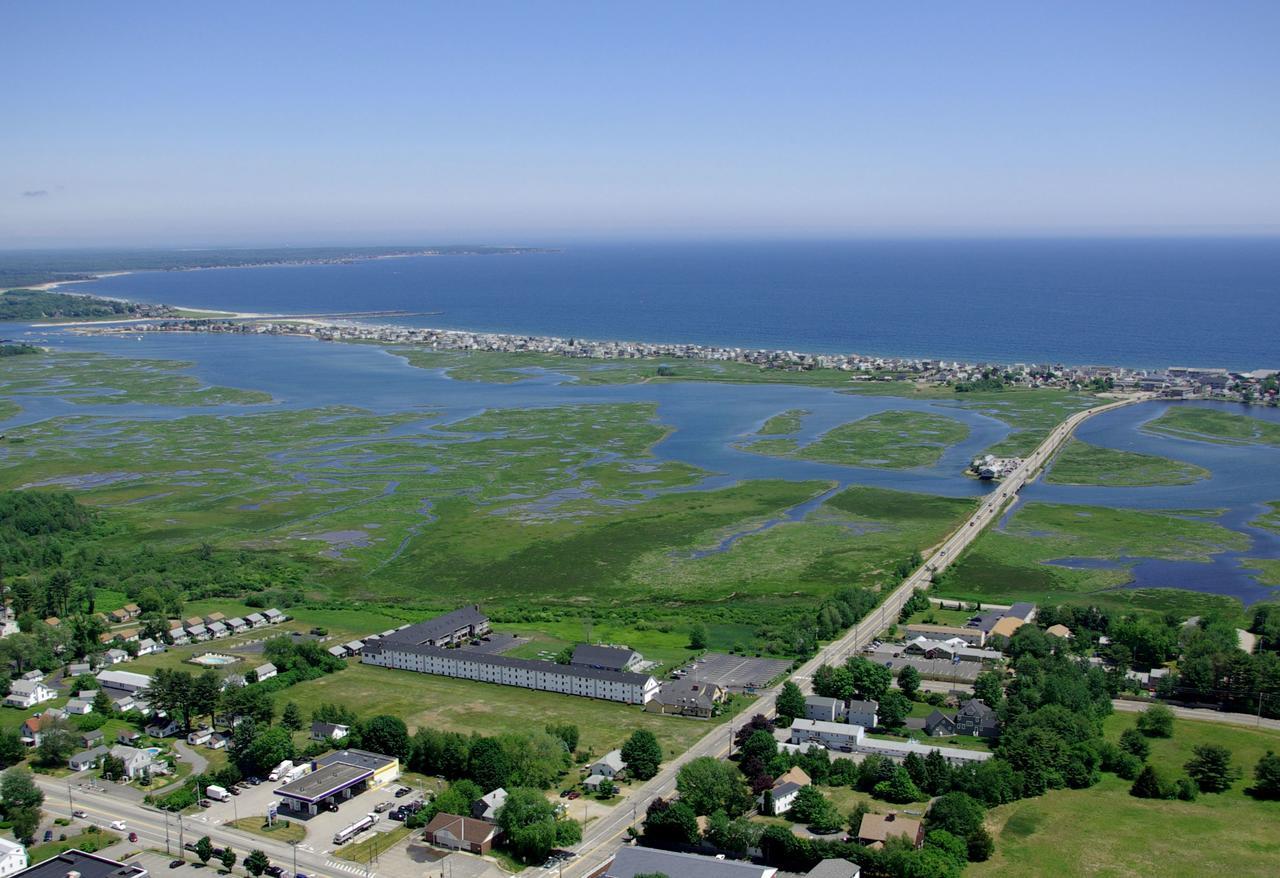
1199	302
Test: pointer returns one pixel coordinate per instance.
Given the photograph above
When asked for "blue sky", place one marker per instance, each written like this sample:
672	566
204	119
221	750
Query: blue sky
387	122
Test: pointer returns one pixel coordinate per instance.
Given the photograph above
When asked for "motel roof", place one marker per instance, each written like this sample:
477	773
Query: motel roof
544	667
437	628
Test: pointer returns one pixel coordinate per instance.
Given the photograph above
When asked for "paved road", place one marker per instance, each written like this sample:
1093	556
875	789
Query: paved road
156	829
1203	714
602	837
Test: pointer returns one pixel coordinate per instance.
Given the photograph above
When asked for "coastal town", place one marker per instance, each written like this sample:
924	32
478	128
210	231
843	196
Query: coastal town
1261	386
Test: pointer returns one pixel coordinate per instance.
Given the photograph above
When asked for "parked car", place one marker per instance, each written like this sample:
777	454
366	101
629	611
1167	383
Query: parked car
381	806
564	793
397	814
203	803
403	791
176	864
330	806
573	794
48	835
274	871
190	846
255	780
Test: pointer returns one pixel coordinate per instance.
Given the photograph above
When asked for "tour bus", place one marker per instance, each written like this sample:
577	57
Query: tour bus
345	835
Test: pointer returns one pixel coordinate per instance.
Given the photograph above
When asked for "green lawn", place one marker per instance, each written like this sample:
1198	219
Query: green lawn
87	841
283	830
1080	463
1214	425
1269	519
367	850
1005	566
424	700
1031	413
1105	831
888	440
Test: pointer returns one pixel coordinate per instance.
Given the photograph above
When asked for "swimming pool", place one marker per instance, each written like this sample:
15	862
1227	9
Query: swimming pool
213	660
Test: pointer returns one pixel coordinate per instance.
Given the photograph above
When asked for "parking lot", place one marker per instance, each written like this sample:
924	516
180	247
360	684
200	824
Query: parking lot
735	673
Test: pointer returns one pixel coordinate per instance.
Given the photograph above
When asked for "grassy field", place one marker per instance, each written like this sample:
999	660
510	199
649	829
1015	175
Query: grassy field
8	409
1213	425
1105	831
1080	463
367	850
1269	569
426	701
889	440
1009	565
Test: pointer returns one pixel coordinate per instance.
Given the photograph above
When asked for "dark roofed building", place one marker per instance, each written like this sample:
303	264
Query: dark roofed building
1023	610
461	833
976	718
606	658
338	776
451	628
939	725
78	863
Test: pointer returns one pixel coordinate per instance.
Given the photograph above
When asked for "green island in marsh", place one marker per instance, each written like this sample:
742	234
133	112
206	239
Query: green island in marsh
786	423
1013	564
1105	831
1081	463
1213	425
887	440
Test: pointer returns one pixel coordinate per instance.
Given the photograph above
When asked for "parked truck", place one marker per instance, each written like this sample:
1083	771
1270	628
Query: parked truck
217	793
280	770
296	772
347	833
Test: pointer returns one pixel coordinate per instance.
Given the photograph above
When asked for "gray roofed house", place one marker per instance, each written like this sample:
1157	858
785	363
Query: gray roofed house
632	861
938	724
135	761
273	615
863	713
685	697
87	759
784	796
265	672
608	658
78	669
834	869
236	624
91	739
822	708
218	629
256	620
486	807
338	651
976	718
116	656
328	731
609	765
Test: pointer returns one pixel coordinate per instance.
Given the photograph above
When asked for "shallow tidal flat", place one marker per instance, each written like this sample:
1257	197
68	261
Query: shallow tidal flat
1055	553
1081	463
888	440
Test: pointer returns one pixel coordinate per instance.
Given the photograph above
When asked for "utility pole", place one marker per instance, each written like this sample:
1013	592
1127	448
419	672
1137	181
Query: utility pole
294	845
182	837
72	805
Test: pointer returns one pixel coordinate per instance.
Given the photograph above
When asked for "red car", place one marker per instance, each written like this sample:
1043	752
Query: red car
133	837
573	794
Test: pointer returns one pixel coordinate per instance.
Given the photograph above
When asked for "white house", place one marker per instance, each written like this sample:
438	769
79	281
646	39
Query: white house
329	731
486	807
79	706
273	616
178	636
147	646
162	728
237	625
198	632
13	857
784	796
29	693
609	765
136	761
863	713
87	759
218	629
265	672
199	736
255	620
116	656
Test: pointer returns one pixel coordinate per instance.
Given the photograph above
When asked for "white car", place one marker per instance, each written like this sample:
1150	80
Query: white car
119	825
